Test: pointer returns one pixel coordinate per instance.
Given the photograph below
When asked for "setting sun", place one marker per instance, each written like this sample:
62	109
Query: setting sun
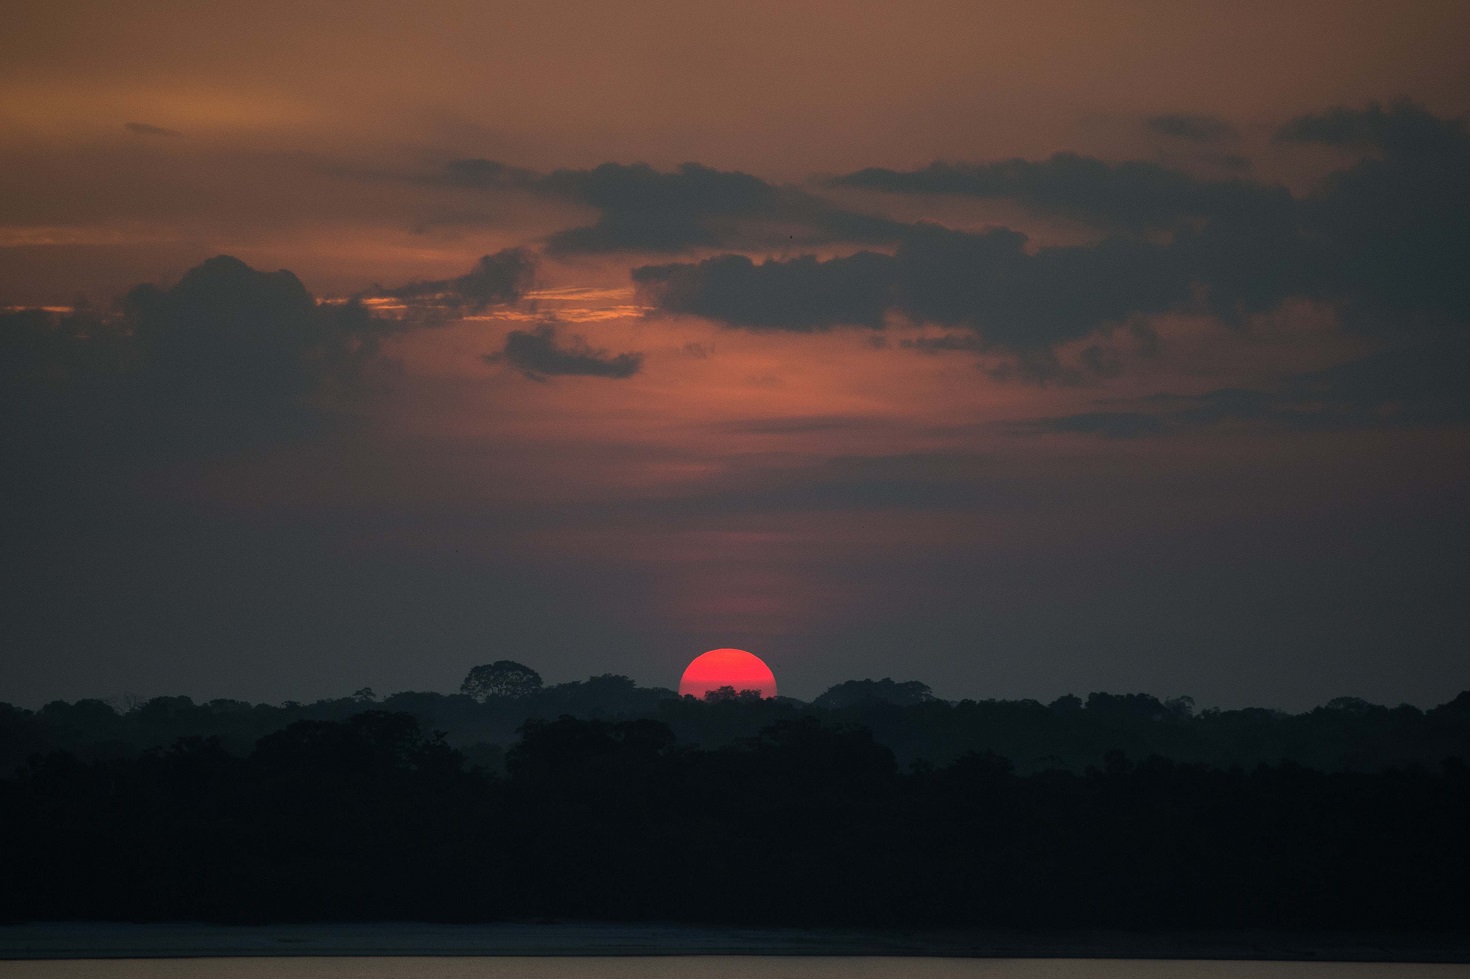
727	668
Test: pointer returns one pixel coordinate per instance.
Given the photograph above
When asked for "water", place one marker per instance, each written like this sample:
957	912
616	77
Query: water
709	967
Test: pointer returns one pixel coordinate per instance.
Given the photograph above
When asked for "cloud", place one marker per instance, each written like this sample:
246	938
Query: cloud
1385	240
1404	128
1193	128
647	210
1013	298
1397	223
1417	385
1018	299
503	277
802	294
539	354
226	357
146	129
1132	195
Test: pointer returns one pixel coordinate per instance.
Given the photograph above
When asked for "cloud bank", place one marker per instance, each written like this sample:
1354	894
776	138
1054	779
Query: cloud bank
1131	195
1418	385
1383	240
647	210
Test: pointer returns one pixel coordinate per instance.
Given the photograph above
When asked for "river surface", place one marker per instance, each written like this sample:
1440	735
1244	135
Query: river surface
710	967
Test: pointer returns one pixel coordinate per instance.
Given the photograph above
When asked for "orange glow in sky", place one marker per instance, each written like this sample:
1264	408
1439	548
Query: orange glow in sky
727	668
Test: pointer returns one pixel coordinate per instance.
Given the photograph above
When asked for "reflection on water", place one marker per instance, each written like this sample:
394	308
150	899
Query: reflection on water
710	967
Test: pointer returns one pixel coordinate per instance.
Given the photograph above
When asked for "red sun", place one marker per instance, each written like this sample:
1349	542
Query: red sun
727	668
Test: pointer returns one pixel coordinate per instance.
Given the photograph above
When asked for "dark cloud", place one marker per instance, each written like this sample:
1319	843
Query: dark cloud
1013	298
1194	128
1018	299
1419	385
503	277
802	294
1396	224
539	354
226	359
227	351
1131	195
1386	240
1403	128
145	129
695	206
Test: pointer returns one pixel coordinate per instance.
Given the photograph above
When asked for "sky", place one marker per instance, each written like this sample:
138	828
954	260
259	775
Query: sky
1017	348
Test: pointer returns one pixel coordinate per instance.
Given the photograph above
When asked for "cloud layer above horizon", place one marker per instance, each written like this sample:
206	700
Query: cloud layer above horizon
1156	385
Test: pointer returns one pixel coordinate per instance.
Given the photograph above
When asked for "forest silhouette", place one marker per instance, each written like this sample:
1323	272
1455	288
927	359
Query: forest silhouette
877	805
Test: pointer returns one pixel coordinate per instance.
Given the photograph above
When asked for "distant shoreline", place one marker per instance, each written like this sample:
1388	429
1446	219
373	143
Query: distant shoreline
109	940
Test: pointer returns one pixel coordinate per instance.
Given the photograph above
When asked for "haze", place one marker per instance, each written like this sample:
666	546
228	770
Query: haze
1021	349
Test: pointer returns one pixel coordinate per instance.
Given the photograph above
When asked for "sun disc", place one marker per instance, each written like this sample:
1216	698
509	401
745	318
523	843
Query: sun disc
733	668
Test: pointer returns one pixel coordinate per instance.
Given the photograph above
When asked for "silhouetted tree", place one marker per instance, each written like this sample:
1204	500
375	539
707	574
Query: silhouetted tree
1460	705
1349	705
503	678
1135	705
884	691
1067	703
1180	706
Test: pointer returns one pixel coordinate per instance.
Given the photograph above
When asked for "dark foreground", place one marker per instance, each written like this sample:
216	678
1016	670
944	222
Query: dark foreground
73	940
806	826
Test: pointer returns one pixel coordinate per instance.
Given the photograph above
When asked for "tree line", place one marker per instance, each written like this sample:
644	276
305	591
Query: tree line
1071	733
809	821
